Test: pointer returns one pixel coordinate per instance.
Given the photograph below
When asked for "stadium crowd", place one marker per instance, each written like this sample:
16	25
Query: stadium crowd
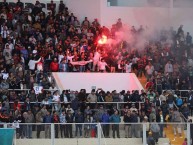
34	44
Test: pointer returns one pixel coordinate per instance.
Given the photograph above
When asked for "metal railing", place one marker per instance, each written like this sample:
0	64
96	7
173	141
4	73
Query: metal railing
183	93
53	131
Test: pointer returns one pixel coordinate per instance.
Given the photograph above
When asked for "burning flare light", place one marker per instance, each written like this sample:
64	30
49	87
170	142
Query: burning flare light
102	40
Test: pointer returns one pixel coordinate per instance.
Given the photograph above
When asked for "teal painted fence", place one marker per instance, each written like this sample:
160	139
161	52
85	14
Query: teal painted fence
6	136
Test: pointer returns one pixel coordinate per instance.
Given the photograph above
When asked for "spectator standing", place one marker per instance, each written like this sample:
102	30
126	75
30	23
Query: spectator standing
48	119
56	120
155	129
29	119
69	121
105	123
115	119
127	119
39	119
79	119
149	70
63	124
87	126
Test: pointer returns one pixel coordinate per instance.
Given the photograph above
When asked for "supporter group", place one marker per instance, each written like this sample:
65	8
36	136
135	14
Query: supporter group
35	43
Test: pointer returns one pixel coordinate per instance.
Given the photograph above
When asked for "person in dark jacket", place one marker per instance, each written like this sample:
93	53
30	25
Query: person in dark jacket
79	119
150	139
191	130
75	104
185	110
105	120
100	95
134	127
127	119
27	105
165	109
69	121
190	103
48	119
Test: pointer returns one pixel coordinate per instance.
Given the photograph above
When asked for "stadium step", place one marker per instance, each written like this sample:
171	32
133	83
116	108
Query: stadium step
170	134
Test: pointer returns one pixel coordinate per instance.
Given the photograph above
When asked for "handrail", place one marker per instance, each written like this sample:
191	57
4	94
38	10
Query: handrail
86	102
180	91
110	123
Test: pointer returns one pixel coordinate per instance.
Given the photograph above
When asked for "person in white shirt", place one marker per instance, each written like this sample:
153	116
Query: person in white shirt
56	100
149	70
38	89
32	63
69	57
103	65
11	46
4	33
33	40
168	67
128	67
96	60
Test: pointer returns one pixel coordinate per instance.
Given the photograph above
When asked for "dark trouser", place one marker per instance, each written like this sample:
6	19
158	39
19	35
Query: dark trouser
116	129
69	130
134	130
191	110
79	127
105	130
56	130
39	129
63	130
155	136
161	130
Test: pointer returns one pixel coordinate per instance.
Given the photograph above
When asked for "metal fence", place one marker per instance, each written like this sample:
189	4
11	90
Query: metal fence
101	132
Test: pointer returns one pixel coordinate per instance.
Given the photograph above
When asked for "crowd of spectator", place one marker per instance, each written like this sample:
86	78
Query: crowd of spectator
34	44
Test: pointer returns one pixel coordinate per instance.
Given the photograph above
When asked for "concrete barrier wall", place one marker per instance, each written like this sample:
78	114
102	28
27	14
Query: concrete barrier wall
87	141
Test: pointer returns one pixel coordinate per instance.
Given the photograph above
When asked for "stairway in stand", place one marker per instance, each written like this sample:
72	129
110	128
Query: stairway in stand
169	130
170	134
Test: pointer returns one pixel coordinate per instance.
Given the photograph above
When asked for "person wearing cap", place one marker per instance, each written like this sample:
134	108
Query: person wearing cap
150	139
145	121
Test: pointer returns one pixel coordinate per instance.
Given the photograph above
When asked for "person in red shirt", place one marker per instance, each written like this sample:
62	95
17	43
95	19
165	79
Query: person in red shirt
16	105
149	85
54	66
